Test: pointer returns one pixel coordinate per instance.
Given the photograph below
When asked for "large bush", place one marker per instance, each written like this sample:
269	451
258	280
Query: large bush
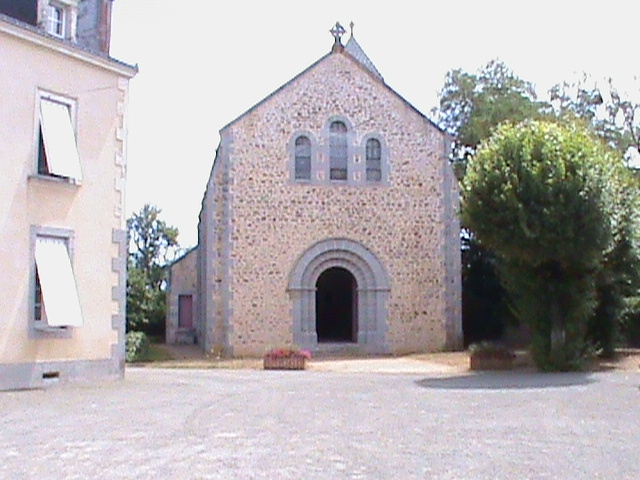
540	195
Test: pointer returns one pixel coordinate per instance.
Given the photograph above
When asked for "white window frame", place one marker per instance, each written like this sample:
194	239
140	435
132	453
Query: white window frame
53	21
58	136
57	279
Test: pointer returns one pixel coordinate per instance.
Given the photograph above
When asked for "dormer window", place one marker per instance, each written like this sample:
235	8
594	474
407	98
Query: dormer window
56	20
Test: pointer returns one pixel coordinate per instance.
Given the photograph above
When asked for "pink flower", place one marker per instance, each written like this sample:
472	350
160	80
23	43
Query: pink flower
288	352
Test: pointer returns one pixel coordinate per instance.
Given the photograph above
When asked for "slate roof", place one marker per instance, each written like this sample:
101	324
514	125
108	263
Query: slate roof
355	50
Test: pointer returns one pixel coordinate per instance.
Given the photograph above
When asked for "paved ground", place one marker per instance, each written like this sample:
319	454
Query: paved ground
251	424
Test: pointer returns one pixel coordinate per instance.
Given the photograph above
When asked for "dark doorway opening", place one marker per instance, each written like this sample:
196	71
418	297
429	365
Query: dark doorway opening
336	306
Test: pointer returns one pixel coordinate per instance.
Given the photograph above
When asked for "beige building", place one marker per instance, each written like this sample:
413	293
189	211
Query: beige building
328	222
62	235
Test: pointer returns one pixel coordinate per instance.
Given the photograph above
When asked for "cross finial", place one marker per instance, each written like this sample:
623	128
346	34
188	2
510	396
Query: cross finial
337	31
351	25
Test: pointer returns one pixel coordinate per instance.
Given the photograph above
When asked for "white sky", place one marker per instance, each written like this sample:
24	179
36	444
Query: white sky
204	62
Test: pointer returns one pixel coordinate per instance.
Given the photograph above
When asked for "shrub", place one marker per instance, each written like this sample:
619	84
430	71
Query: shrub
137	346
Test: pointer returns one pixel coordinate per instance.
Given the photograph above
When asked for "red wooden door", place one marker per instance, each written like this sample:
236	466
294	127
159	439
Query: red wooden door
185	311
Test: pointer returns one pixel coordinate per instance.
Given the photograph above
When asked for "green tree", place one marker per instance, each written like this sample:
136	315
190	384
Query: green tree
473	105
539	195
618	281
613	116
152	243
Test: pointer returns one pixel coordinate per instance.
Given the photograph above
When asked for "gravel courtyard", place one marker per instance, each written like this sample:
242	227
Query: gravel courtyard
251	424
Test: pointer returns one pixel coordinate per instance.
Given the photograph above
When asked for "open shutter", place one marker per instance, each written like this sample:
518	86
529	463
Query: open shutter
58	284
59	140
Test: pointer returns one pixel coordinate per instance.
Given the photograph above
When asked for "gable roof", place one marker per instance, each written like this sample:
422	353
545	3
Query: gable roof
354	52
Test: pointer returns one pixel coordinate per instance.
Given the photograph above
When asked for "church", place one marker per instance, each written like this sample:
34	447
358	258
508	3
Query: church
329	222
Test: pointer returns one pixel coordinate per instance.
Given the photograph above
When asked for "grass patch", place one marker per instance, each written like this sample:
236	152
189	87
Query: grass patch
205	364
152	352
157	354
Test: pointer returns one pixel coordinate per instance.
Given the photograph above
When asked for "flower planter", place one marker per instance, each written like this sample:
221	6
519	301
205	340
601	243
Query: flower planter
293	362
490	356
490	362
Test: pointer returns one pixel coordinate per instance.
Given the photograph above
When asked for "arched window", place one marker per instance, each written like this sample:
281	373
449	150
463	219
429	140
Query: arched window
338	151
374	164
303	158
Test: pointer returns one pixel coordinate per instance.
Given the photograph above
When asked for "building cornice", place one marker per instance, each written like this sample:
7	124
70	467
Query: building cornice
31	34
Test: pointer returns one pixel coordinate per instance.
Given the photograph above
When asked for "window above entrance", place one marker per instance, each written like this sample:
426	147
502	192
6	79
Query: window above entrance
337	156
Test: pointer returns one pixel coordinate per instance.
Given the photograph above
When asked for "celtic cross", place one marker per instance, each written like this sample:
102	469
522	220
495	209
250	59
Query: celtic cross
337	31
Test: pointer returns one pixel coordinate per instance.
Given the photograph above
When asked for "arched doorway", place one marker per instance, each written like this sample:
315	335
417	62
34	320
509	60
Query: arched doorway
336	301
369	292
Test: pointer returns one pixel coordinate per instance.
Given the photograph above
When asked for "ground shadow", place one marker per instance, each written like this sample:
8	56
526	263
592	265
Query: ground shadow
507	381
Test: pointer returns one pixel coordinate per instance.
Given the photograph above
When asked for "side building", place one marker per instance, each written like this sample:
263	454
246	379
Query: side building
63	236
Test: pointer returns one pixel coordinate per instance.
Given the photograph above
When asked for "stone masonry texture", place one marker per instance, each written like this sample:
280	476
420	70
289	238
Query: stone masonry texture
257	220
183	273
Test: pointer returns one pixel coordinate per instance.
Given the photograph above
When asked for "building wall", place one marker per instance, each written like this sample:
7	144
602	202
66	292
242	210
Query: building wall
94	25
453	260
182	281
406	222
93	210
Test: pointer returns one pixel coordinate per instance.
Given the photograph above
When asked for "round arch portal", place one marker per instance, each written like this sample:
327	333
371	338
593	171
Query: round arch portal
369	295
336	306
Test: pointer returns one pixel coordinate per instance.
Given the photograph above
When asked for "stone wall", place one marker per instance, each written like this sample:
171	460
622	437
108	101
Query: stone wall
406	222
182	281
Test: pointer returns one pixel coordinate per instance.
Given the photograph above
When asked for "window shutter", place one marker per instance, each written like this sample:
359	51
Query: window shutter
59	140
59	291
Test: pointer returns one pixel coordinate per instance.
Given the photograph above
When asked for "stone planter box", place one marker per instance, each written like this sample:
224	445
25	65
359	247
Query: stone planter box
491	362
293	362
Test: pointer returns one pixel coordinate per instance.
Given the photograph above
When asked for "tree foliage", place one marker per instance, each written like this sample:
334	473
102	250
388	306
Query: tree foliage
613	116
618	280
473	105
539	195
151	244
471	108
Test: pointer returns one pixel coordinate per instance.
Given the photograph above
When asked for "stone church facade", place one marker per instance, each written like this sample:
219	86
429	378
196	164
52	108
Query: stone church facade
328	222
